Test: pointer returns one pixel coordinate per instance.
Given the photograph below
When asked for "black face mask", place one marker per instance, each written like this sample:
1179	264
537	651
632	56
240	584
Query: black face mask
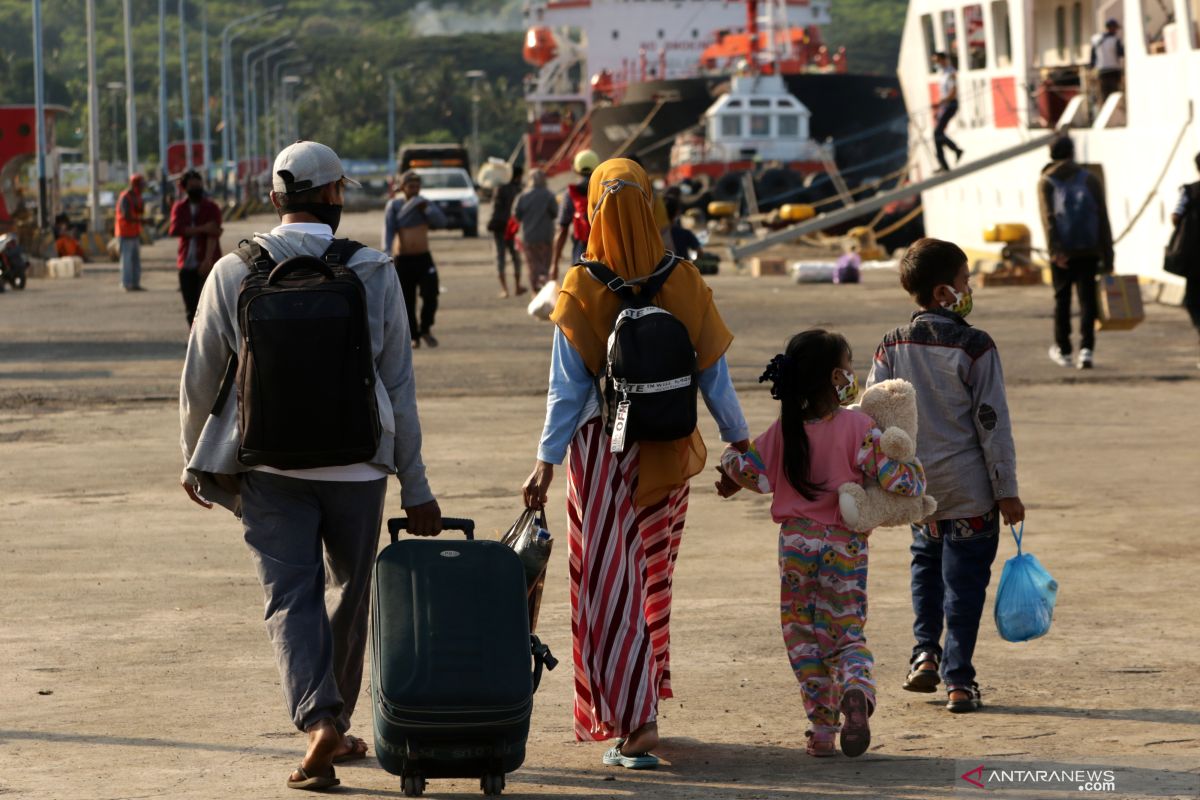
327	213
195	195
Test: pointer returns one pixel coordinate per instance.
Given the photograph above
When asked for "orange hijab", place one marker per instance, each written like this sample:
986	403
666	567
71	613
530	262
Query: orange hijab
626	239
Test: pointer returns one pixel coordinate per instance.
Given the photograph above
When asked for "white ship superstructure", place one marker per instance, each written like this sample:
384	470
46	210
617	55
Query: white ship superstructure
1022	69
639	39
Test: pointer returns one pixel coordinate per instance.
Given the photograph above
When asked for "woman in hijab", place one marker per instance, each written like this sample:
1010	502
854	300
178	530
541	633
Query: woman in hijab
625	510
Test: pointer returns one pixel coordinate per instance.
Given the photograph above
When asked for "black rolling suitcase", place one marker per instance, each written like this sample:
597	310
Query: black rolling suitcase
451	677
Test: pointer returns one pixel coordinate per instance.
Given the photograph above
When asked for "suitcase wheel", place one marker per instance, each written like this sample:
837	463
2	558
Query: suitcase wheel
492	784
413	785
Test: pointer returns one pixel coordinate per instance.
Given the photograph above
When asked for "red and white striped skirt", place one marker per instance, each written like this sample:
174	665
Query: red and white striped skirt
621	562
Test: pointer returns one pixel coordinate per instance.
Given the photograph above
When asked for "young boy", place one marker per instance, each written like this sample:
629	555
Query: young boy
965	442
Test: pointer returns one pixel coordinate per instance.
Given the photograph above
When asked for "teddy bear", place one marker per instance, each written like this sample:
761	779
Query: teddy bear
893	406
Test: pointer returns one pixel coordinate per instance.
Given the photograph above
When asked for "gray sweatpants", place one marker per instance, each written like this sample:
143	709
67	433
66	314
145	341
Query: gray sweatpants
316	608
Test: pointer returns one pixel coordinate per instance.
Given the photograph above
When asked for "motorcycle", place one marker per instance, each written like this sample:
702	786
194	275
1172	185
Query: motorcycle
13	265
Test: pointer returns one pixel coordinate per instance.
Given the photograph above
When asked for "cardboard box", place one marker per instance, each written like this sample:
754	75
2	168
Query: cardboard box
1120	303
764	267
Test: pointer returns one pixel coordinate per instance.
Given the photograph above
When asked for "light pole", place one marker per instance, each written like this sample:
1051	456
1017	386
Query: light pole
130	105
275	135
288	127
247	92
162	101
391	104
39	104
94	120
185	95
228	101
269	79
115	87
475	75
206	146
252	81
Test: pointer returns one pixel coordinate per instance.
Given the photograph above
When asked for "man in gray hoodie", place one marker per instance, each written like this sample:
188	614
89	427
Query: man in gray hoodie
290	516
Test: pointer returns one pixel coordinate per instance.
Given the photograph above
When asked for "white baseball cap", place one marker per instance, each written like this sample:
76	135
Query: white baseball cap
307	165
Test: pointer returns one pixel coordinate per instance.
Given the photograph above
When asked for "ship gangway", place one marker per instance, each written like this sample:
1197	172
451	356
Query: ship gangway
858	209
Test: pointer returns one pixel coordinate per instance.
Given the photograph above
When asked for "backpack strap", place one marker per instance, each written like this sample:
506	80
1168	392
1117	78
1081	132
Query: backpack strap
649	284
256	256
226	385
341	251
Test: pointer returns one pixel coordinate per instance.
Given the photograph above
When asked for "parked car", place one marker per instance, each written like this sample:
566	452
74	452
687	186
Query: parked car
454	192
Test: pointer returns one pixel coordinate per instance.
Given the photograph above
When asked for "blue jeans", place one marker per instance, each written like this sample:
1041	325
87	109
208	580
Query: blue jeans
131	261
951	566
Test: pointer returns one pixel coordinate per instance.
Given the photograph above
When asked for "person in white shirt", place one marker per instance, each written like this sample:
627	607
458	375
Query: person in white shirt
947	107
1108	58
313	533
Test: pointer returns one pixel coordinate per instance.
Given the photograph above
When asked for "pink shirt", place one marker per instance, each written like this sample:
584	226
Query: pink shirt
834	444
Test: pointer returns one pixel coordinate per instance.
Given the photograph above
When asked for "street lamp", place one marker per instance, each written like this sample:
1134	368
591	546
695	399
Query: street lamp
274	132
39	103
288	128
247	91
475	75
115	87
94	119
185	96
228	118
257	117
130	104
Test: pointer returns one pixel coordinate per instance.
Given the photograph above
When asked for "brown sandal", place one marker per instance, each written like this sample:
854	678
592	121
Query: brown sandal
313	782
923	680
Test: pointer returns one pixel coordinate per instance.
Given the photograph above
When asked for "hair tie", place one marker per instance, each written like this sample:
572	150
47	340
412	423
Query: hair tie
776	372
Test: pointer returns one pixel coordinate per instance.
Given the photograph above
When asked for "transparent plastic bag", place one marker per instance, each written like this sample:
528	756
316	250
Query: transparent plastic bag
1026	596
530	539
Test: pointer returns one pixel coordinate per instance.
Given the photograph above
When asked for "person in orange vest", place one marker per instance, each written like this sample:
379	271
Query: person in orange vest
130	209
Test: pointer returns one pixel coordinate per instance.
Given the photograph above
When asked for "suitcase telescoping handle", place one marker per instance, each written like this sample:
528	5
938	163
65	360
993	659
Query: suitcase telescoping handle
467	526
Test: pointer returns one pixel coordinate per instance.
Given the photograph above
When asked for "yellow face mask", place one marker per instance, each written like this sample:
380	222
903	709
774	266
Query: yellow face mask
849	393
963	302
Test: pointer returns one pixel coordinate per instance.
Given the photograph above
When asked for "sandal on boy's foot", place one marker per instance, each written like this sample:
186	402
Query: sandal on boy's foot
856	727
313	782
820	745
923	680
972	702
615	758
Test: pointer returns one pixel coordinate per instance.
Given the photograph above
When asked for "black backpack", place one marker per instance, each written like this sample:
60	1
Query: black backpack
1182	256
304	373
649	383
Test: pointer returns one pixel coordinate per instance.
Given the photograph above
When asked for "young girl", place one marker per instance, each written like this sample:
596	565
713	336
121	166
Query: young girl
813	448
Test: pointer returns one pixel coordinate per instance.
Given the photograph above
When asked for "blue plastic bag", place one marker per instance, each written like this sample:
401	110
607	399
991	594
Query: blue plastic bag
1026	596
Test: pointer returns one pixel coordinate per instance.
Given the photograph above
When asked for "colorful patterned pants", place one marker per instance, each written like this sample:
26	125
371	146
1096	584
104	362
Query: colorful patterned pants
823	608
